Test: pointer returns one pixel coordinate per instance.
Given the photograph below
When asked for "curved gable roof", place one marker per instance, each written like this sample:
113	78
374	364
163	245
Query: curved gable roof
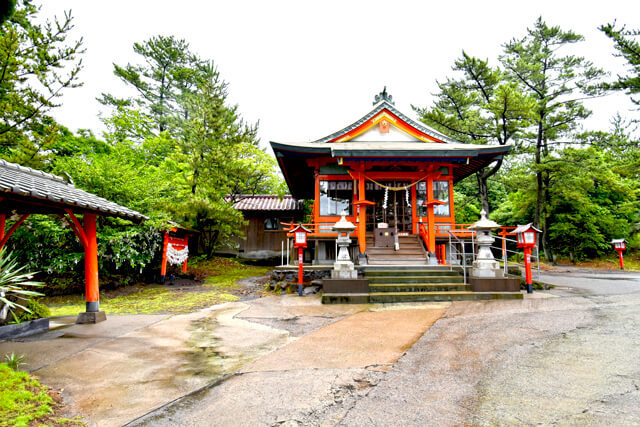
370	119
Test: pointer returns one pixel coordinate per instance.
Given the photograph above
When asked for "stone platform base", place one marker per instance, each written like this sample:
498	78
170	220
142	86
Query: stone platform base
498	284
345	286
91	317
24	329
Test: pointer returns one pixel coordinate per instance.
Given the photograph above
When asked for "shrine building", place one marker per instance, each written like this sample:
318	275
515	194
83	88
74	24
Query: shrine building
392	176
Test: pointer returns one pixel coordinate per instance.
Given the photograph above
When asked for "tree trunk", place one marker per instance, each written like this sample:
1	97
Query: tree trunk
540	187
548	250
483	190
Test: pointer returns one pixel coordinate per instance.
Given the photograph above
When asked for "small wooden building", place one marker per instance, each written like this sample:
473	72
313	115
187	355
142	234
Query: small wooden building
265	236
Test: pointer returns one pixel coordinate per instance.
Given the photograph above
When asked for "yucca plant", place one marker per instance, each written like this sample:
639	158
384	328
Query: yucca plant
14	287
14	361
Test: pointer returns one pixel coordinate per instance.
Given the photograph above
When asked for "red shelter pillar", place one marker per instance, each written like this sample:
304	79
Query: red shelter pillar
91	264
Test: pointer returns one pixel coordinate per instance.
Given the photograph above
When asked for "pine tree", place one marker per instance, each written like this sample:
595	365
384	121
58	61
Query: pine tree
480	108
38	64
558	84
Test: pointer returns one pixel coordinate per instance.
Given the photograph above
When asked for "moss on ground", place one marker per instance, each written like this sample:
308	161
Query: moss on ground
220	281
24	401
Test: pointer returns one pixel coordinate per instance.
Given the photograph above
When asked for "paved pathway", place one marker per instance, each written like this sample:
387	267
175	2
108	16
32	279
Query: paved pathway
565	356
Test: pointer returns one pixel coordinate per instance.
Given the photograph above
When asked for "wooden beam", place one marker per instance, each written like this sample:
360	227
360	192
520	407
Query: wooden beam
11	230
77	228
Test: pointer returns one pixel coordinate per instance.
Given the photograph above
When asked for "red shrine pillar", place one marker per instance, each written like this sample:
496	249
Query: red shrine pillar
163	267
362	216
184	264
92	291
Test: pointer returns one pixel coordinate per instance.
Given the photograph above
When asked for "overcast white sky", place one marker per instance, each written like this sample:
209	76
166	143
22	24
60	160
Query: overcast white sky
306	69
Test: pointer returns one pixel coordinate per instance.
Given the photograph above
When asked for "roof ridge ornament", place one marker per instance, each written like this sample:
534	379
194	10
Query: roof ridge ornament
383	96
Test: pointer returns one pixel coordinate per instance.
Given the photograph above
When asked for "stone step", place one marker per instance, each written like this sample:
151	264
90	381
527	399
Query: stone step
392	251
396	257
391	297
418	287
369	269
399	262
370	273
414	279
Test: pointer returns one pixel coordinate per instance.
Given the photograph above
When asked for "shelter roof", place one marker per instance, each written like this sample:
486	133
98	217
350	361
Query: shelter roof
48	193
267	202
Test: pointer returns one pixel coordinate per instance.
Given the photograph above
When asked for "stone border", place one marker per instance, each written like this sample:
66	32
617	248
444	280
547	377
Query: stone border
24	329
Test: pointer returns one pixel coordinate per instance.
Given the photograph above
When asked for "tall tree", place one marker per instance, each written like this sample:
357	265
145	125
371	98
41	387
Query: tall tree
480	108
37	63
220	160
628	48
169	71
558	84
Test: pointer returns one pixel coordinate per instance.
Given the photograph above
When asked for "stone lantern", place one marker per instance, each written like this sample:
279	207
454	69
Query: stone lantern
343	267
485	265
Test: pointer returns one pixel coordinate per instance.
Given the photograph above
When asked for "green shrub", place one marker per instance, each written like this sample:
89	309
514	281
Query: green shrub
37	310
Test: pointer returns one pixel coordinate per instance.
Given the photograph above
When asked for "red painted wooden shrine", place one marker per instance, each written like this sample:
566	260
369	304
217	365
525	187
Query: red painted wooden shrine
384	169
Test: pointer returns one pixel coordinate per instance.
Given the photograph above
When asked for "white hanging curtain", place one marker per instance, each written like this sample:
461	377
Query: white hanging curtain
177	256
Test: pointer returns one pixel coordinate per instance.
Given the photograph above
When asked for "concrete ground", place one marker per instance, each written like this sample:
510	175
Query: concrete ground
565	356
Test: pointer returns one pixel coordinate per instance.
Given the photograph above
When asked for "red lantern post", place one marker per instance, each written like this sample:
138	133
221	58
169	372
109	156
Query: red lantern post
300	235
526	237
620	246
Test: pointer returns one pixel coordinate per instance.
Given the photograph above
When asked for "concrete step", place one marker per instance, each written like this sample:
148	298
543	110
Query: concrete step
418	287
414	279
392	297
336	298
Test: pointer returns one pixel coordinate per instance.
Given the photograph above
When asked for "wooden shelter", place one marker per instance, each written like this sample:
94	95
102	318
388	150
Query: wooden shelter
264	232
25	191
392	176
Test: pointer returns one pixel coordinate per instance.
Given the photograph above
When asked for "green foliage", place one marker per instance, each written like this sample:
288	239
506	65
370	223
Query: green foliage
14	361
480	107
23	400
627	46
7	8
169	72
589	202
37	310
15	287
38	63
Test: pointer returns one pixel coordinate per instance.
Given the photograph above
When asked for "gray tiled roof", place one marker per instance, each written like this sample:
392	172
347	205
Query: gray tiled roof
266	202
35	184
386	105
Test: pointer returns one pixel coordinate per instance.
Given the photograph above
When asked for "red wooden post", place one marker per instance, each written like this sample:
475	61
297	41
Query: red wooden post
92	291
621	259
186	245
300	262
527	267
163	267
3	221
362	217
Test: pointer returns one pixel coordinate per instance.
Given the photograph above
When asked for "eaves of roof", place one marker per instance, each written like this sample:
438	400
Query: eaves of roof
21	186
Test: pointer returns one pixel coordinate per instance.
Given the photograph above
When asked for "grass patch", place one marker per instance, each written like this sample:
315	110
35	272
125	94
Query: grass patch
148	301
24	401
219	275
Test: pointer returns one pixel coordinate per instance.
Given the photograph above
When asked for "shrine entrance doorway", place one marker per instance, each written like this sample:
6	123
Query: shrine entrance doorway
396	210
